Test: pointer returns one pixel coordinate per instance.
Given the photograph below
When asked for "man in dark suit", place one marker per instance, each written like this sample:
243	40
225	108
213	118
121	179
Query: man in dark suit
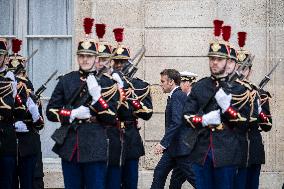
187	81
173	145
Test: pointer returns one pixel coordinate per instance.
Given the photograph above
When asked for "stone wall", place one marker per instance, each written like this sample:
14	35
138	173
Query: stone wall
176	35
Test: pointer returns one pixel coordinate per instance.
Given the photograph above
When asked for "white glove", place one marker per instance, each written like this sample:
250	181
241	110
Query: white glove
259	106
33	109
223	100
21	127
117	78
81	112
211	118
11	76
94	88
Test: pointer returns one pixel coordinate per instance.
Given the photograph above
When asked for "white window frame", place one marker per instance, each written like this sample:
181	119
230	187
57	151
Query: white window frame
20	27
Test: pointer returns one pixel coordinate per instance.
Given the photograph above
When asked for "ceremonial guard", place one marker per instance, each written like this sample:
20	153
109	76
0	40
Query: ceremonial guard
136	102
186	83
241	93
8	145
114	134
85	102
260	101
208	110
28	120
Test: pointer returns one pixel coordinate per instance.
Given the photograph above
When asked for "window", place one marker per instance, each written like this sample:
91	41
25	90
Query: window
7	18
45	25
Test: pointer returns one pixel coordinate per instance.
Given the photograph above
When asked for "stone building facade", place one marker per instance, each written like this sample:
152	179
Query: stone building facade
176	35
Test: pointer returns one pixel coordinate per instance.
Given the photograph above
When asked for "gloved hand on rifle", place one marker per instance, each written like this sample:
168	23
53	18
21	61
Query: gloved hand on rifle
94	88
82	112
21	127
117	78
33	109
211	118
223	99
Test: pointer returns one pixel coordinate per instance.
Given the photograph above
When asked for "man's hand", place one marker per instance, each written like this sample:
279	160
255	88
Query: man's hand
159	149
211	118
81	112
223	99
119	81
94	88
33	109
21	127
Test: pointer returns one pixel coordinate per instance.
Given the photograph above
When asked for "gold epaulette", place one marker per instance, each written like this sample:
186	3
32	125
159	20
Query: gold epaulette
253	86
245	84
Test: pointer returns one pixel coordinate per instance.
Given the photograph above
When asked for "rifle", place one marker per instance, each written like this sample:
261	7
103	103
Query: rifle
30	57
266	78
130	70
27	60
43	86
239	73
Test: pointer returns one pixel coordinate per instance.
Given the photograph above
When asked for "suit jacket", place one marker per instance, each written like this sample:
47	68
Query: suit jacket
176	135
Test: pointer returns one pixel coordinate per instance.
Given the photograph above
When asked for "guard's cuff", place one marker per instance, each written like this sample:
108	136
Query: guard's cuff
122	94
18	100
64	115
263	117
98	106
193	120
39	124
136	104
231	113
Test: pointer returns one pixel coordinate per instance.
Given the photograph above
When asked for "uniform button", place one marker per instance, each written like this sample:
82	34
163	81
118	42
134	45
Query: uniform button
80	121
213	129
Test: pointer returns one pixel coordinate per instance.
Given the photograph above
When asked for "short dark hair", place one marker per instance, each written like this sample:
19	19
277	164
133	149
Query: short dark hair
172	74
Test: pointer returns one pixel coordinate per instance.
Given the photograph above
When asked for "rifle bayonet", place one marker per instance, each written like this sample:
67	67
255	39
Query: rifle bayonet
266	78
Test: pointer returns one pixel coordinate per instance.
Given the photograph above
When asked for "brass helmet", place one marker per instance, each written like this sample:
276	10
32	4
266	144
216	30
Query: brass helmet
226	33
103	47
242	54
87	45
219	47
16	62
120	51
